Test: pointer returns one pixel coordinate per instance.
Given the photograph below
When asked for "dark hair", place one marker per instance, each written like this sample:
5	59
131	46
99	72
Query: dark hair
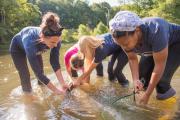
77	61
50	25
117	34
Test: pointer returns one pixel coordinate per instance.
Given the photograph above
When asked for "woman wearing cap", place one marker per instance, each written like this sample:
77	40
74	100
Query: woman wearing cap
96	49
75	61
30	43
158	43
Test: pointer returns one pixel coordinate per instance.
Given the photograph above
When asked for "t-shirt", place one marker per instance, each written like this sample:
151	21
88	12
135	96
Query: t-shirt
27	42
107	48
157	35
69	53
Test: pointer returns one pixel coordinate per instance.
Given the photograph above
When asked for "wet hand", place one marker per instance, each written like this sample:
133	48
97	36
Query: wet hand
65	87
138	85
60	91
76	82
71	86
144	99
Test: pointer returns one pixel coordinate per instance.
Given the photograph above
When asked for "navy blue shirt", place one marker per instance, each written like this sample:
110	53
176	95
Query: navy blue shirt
107	48
157	35
27	41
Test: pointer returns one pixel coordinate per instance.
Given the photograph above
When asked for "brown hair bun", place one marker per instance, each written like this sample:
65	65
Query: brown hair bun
50	24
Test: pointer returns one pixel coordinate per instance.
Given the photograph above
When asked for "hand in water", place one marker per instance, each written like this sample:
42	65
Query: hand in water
76	83
138	85
73	84
28	97
144	99
65	87
60	91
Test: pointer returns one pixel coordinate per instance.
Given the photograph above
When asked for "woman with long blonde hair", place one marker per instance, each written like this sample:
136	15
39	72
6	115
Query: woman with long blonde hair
96	49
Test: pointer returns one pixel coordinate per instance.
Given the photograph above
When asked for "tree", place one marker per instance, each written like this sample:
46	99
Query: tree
100	29
168	9
141	7
17	14
72	12
83	30
101	12
67	36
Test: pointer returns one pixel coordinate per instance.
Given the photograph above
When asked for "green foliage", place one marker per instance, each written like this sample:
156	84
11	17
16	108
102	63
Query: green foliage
101	13
83	30
100	29
72	35
16	15
77	16
72	12
69	36
141	7
168	9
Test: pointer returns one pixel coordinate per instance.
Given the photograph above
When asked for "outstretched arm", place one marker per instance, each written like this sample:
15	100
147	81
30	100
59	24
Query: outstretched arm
134	66
61	79
160	63
54	60
87	72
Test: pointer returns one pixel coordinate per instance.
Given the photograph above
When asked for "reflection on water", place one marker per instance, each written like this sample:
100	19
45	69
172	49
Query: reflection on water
88	102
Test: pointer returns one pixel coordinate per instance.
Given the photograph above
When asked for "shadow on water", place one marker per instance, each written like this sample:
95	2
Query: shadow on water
88	102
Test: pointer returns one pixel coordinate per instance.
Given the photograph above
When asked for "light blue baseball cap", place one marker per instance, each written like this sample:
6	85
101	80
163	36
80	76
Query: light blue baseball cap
125	21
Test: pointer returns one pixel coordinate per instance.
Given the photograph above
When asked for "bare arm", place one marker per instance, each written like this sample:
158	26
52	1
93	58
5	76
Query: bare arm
60	77
160	59
54	89
133	62
68	69
88	71
134	66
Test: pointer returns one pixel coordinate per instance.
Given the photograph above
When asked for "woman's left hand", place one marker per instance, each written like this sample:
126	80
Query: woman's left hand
144	99
138	85
65	87
76	82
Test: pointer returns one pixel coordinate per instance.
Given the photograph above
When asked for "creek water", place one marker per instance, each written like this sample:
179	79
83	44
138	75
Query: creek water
88	102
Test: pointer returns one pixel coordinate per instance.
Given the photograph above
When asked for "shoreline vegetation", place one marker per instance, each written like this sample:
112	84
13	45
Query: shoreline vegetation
76	16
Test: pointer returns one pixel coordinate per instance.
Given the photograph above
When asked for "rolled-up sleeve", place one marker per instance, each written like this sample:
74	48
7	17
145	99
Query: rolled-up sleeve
54	57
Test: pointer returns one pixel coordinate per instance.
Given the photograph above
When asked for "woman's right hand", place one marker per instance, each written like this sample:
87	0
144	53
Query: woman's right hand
76	82
65	86
59	91
138	85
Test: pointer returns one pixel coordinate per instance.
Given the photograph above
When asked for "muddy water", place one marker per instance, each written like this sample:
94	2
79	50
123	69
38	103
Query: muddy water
88	102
